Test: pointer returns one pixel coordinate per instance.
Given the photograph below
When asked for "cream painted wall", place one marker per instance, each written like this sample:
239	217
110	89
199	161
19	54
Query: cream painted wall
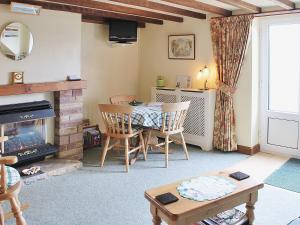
246	99
243	102
55	54
255	83
154	61
56	49
109	70
154	54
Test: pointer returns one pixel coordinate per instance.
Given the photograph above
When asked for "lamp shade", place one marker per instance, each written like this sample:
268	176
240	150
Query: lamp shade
203	74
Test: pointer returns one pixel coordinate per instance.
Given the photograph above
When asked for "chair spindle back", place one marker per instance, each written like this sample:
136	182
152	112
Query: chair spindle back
174	115
117	118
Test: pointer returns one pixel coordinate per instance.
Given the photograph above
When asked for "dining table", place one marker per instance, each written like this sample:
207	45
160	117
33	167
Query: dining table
149	116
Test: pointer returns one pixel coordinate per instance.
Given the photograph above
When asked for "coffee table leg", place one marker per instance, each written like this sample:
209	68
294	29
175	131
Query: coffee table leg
250	208
155	218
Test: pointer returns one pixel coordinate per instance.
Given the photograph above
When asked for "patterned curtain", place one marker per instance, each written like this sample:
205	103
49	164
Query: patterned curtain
230	39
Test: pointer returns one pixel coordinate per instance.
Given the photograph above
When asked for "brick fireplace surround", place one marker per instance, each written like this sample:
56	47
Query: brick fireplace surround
68	107
68	123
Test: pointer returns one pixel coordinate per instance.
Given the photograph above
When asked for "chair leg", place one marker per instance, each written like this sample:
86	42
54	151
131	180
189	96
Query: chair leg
16	209
127	154
1	215
142	144
18	201
118	143
147	141
105	151
167	151
184	146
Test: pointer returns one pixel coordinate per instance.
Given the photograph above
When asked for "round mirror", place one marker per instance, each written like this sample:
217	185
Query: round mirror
16	41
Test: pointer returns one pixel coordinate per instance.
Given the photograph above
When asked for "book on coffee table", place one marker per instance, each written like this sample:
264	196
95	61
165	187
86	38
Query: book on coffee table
229	217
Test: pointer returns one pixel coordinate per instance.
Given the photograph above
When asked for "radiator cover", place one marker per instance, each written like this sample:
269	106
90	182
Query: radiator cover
199	123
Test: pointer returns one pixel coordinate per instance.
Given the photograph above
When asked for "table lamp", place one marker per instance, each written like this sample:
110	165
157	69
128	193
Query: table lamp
203	74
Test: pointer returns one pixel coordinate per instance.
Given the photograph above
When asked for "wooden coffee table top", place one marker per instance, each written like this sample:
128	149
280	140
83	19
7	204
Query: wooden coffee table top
186	206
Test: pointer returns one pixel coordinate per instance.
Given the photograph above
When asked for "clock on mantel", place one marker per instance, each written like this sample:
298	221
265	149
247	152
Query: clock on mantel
18	78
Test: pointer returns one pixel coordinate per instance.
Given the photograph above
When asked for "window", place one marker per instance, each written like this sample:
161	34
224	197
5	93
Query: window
284	67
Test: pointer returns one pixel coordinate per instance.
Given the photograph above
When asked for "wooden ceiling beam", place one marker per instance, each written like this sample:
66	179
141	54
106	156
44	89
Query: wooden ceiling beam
102	20
99	20
201	6
118	9
87	11
162	7
286	4
242	5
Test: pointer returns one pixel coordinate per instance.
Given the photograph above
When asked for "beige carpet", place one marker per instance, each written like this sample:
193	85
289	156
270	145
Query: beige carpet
260	165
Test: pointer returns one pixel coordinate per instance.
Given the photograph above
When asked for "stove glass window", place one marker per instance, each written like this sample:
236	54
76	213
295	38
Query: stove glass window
24	135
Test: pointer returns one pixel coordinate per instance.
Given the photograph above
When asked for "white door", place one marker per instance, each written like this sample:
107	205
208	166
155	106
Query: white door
280	73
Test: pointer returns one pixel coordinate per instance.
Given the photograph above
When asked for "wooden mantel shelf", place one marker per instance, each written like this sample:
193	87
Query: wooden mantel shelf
19	89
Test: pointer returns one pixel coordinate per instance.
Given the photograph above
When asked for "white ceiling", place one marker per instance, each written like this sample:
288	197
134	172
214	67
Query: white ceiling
260	3
265	4
219	4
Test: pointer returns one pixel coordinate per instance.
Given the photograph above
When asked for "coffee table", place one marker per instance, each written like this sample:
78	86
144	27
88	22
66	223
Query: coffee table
187	212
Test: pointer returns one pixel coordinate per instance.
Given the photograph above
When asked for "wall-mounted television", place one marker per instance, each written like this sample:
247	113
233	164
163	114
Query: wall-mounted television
122	31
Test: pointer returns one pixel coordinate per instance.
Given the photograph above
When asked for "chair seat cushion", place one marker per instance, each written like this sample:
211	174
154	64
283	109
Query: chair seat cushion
13	176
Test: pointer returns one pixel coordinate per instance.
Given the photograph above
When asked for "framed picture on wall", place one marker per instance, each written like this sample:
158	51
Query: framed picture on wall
182	46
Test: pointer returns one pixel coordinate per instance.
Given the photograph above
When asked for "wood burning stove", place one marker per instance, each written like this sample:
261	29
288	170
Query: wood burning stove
25	126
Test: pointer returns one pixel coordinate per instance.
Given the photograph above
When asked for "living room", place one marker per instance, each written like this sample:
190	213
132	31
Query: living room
73	64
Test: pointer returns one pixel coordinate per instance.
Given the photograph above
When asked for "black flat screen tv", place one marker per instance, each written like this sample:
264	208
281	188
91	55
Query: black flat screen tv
123	31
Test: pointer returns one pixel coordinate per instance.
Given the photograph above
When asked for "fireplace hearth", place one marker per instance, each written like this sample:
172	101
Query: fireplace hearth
25	126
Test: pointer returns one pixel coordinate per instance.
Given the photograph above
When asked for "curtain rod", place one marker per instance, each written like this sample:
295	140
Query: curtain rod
265	14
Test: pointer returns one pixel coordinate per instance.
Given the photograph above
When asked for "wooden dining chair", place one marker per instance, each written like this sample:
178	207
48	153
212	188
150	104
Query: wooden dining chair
121	99
117	120
173	117
10	186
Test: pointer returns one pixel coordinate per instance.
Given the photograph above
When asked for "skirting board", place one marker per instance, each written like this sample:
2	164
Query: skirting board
249	150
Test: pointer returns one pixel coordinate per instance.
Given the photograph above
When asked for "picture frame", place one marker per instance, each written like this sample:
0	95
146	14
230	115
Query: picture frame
17	77
183	81
182	47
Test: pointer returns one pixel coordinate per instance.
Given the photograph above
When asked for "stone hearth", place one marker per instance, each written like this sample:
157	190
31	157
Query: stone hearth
57	167
51	167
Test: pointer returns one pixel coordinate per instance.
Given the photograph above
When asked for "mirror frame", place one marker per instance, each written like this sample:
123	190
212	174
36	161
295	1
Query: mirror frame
29	44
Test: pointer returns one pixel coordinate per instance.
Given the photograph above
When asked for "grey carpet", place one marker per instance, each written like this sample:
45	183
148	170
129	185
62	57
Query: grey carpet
275	206
295	222
287	176
108	196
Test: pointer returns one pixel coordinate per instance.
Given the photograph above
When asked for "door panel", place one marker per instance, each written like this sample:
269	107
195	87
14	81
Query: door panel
278	130
280	82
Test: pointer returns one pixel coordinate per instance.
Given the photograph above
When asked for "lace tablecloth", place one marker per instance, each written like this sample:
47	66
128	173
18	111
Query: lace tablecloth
206	188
